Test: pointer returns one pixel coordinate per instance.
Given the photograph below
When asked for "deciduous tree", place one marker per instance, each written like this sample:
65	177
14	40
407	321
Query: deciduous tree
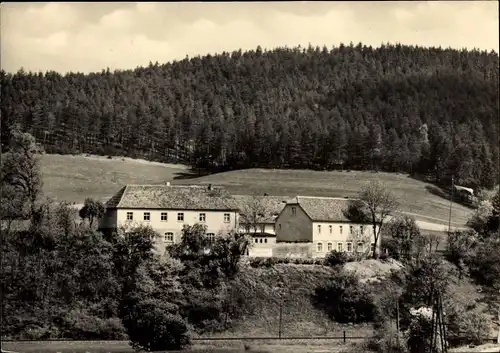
378	203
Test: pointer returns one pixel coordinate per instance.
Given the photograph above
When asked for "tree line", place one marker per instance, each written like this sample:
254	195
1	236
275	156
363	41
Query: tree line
428	111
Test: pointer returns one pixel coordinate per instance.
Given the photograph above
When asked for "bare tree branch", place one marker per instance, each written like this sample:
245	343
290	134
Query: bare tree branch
379	204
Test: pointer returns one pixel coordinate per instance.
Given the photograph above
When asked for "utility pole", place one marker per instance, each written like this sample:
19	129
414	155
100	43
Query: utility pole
498	338
280	319
397	321
451	202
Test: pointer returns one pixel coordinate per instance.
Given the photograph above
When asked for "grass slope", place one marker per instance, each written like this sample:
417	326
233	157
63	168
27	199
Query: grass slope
414	196
73	178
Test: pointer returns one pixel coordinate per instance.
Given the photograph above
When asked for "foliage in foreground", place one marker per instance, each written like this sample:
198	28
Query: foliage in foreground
345	299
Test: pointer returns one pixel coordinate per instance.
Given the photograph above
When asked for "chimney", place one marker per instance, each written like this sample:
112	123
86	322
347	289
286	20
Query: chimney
209	187
265	194
167	183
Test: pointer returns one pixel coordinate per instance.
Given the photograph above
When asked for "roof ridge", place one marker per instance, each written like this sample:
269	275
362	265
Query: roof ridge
325	197
125	188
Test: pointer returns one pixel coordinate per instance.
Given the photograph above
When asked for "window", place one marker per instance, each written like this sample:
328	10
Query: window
203	217
130	216
331	229
227	218
294	211
361	229
256	240
330	247
341	229
319	228
211	237
164	216
351	230
320	247
349	247
169	237
260	240
265	240
147	216
360	247
180	217
340	247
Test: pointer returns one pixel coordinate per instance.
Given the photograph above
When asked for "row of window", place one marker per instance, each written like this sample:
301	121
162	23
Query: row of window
341	229
261	240
169	237
340	247
180	217
261	228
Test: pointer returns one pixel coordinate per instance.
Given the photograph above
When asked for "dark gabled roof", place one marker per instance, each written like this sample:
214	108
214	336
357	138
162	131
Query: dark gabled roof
269	206
329	209
115	199
175	197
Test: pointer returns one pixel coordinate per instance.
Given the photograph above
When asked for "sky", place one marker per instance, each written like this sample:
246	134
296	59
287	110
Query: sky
89	37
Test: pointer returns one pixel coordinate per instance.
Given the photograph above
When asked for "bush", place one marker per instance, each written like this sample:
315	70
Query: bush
468	325
484	265
155	326
79	324
345	299
335	258
271	261
383	257
387	339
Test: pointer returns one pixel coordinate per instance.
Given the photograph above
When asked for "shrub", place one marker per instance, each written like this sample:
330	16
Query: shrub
155	326
79	324
387	339
345	299
470	325
335	258
484	265
271	261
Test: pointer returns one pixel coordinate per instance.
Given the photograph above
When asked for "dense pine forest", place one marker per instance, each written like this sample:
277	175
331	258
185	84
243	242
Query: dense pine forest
426	111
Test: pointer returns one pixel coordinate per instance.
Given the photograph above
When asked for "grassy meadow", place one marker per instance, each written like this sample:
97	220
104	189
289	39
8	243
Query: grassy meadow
73	178
268	346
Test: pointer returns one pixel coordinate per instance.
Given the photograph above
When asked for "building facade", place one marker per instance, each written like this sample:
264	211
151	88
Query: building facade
324	223
167	208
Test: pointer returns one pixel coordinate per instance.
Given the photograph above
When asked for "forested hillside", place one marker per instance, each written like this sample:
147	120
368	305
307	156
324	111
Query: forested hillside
395	108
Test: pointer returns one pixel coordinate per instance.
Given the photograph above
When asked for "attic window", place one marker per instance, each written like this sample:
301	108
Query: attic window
294	211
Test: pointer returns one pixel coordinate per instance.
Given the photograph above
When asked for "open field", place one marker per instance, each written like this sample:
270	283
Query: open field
415	199
283	346
73	178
